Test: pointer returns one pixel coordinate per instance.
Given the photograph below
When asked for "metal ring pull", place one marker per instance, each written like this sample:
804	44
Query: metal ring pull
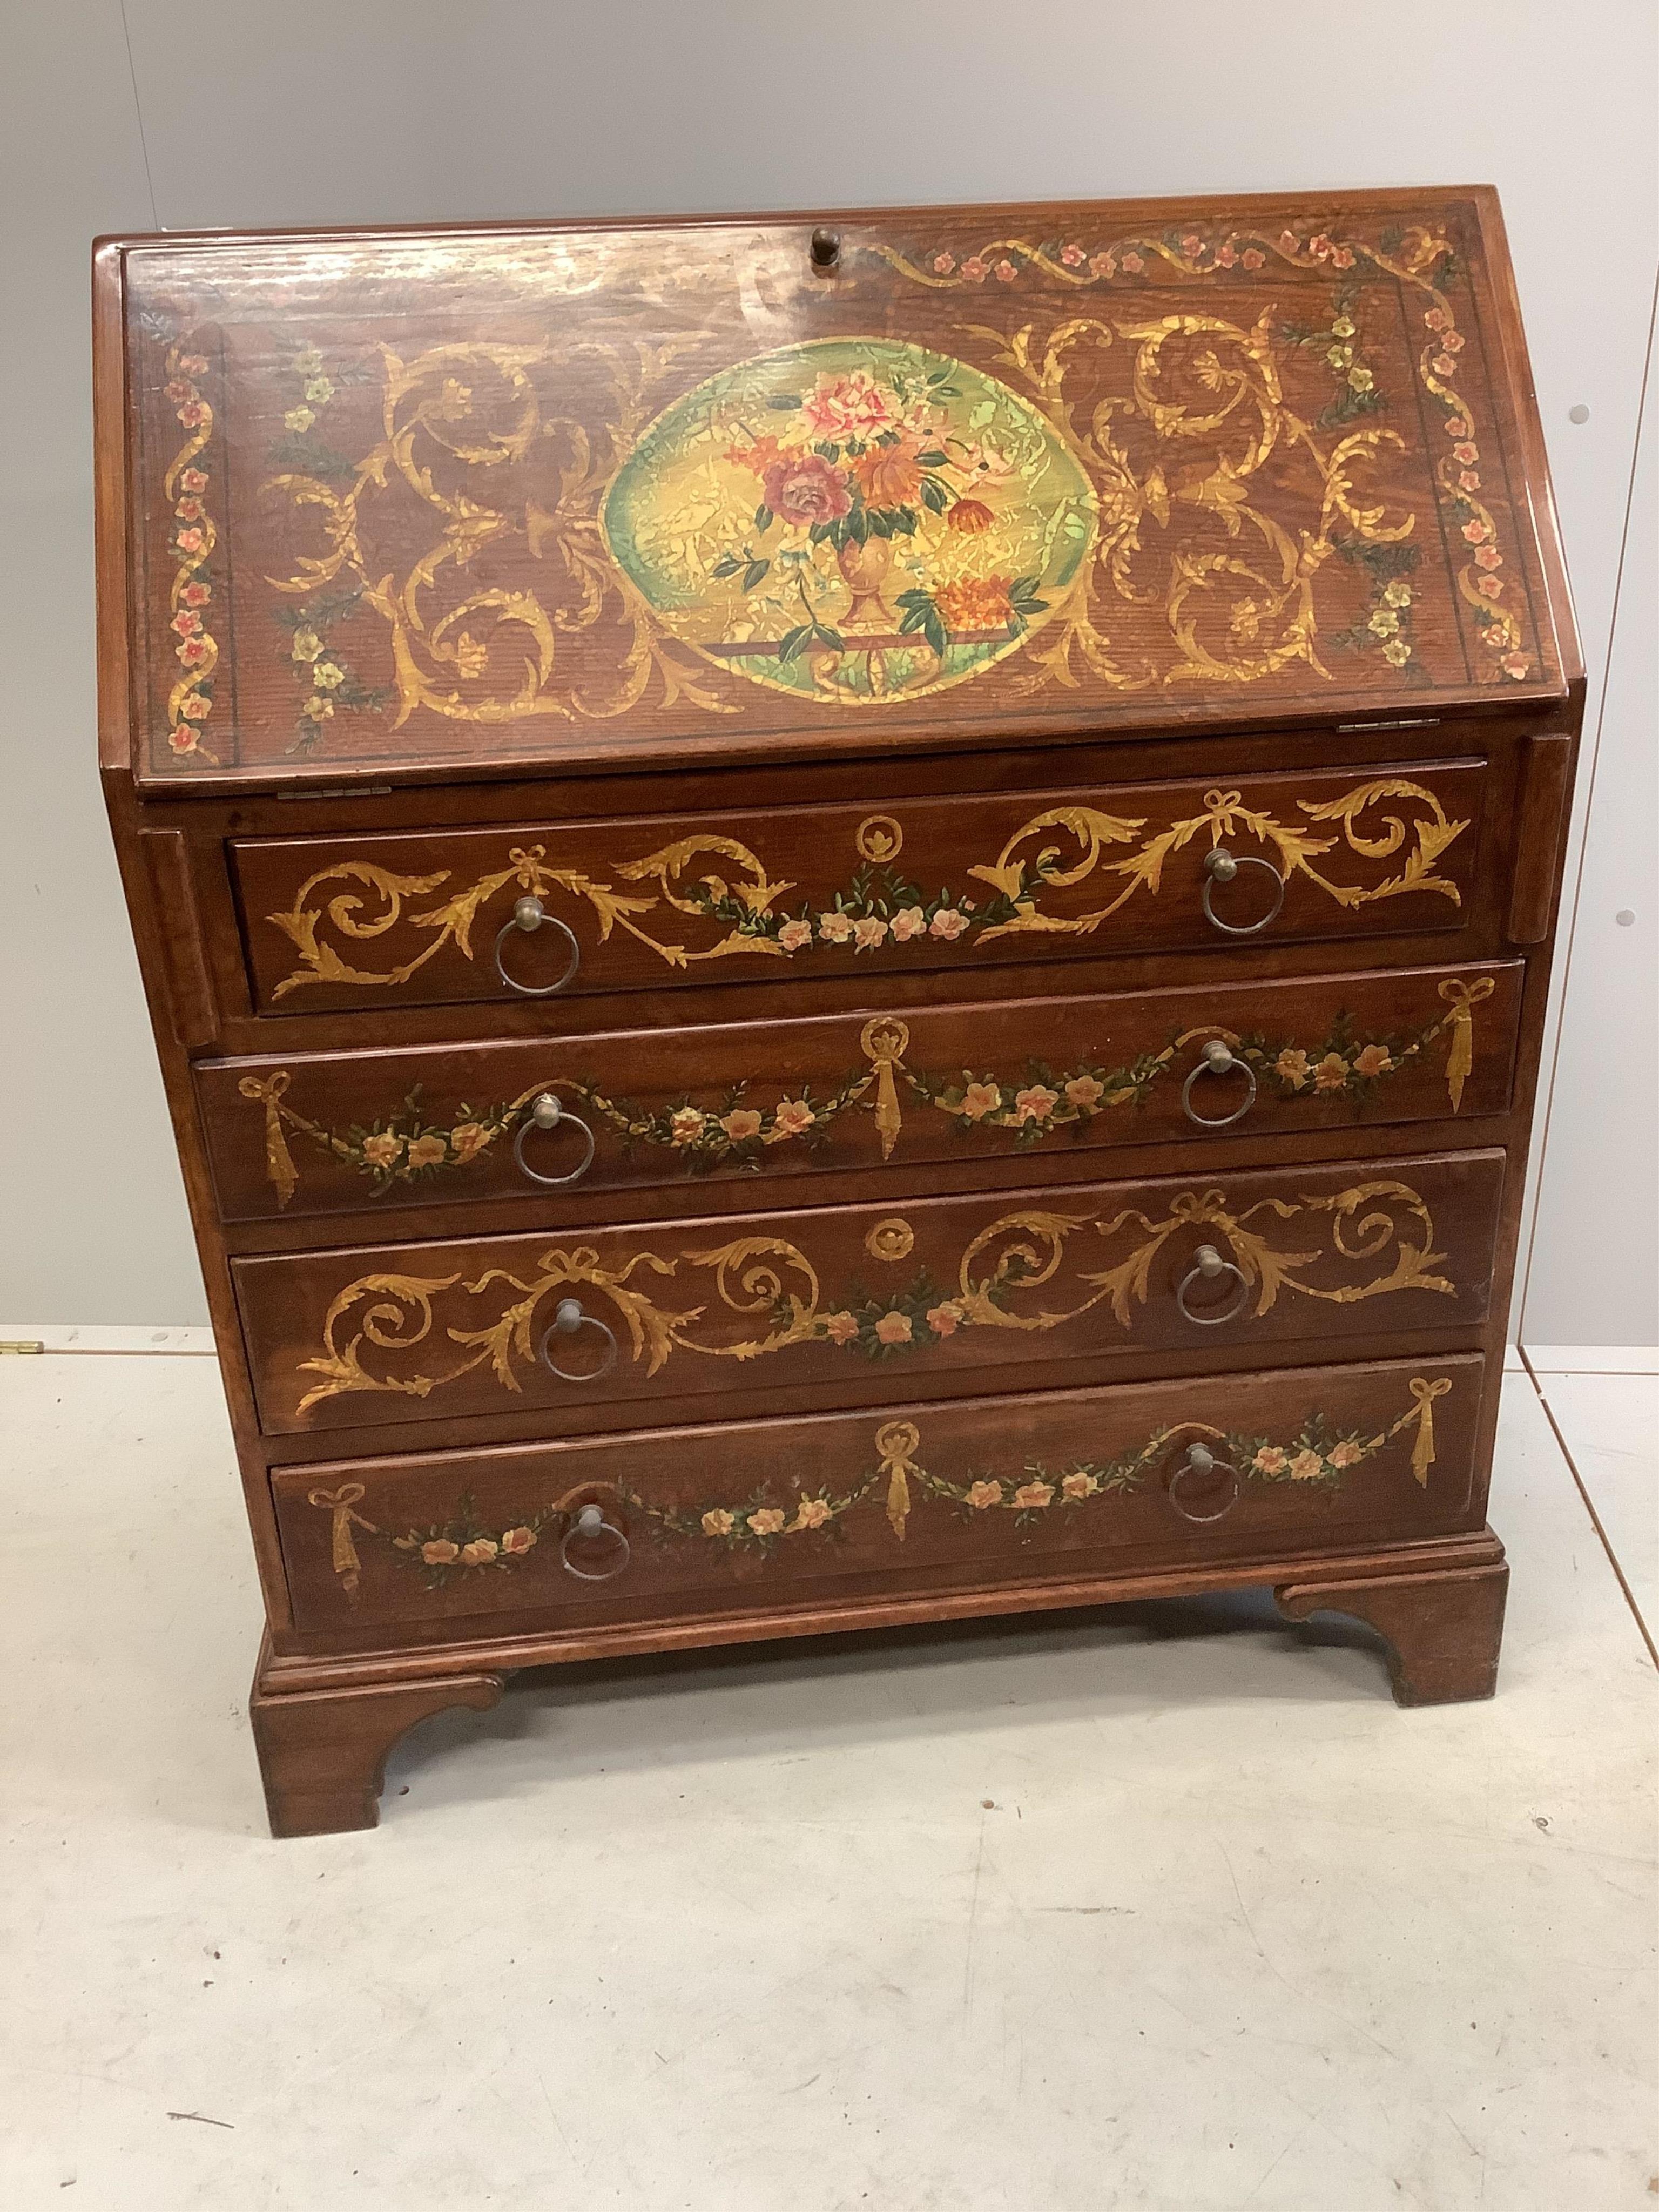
1220	867
590	1523
1207	1266
529	915
1218	1058
1202	1463
550	1112
568	1318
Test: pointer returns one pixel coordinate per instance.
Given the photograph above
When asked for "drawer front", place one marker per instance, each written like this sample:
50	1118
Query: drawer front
817	1301
707	1520
408	920
638	1109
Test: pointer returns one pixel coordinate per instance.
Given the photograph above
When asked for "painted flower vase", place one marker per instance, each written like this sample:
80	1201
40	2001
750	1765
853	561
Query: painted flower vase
866	569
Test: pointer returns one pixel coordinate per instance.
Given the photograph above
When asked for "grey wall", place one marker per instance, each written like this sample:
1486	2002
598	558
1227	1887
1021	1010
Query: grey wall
237	114
1590	1275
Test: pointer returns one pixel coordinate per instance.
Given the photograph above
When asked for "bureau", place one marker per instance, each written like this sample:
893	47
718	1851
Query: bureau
848	916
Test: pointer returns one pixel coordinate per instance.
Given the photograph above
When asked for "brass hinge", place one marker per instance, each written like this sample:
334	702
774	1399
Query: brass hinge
1399	722
21	1344
336	790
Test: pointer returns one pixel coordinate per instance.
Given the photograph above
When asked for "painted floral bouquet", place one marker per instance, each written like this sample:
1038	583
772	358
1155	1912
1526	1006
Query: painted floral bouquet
862	464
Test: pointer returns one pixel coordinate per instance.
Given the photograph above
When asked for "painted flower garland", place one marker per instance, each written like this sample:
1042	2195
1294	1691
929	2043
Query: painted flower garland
414	1144
191	540
1318	1457
328	683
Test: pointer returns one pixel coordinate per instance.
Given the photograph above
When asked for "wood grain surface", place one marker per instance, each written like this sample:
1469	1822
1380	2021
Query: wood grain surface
551	493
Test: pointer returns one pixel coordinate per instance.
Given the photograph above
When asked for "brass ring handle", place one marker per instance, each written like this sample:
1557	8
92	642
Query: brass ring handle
1218	1058
550	1112
529	915
1201	1461
1207	1266
1220	867
589	1523
568	1319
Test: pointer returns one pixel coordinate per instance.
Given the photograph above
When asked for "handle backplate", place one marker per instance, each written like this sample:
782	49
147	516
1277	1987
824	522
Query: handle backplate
569	1318
588	1527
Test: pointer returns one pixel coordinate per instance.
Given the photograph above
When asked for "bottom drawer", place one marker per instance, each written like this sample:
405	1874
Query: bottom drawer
741	1516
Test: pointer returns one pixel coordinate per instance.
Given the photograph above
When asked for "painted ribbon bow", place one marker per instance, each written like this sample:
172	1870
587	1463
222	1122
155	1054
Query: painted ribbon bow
340	1501
1424	1394
885	1043
279	1161
1462	998
896	1443
1195	1205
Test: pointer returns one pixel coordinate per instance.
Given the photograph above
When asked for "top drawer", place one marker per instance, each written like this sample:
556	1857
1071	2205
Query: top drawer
428	918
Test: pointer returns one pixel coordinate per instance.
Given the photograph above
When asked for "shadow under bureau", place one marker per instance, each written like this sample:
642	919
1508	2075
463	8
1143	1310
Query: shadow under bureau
848	916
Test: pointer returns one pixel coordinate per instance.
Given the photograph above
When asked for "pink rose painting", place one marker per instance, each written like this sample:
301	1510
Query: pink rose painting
806	489
842	407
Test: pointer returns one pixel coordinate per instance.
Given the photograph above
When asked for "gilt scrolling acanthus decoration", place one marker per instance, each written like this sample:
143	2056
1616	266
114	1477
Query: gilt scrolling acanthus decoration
479	406
507	603
451	921
1422	261
766	1295
745	910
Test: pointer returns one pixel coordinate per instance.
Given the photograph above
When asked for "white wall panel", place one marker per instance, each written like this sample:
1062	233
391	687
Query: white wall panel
1594	1271
92	1208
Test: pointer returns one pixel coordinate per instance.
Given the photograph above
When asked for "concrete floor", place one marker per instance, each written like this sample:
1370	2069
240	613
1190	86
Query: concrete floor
1167	1908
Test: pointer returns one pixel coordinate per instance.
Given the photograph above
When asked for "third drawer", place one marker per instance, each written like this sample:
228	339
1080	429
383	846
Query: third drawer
820	1301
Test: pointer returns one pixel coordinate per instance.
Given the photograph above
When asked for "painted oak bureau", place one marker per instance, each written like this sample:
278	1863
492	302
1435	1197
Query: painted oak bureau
848	916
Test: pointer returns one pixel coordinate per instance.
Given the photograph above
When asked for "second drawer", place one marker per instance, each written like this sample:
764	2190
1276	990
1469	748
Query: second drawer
812	1300
325	1132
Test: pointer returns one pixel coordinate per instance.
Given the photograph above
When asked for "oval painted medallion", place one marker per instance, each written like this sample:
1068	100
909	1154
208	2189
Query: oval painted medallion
852	519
